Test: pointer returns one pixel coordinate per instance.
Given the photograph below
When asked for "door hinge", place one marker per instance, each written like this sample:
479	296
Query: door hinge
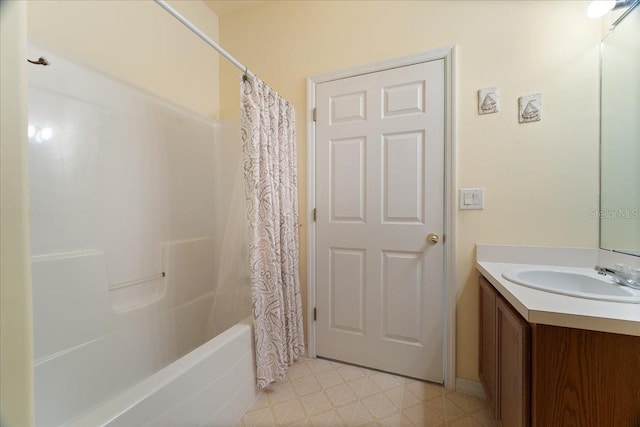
315	213
315	114
315	314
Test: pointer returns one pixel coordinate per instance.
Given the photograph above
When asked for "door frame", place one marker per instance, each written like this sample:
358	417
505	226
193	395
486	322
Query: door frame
446	53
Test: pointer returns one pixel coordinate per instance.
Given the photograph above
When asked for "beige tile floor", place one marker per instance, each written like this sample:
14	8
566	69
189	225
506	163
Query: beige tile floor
323	393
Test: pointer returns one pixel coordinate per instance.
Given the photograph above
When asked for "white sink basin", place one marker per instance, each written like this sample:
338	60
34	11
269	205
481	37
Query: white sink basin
581	283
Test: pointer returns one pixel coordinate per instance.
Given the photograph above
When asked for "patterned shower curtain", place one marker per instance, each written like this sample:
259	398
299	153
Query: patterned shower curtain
269	148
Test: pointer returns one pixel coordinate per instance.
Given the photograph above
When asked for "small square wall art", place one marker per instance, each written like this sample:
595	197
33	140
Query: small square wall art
488	100
530	108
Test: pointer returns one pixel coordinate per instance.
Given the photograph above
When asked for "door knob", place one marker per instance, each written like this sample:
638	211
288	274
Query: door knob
433	238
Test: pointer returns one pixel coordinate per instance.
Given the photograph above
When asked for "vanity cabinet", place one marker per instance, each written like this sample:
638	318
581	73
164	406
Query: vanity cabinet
504	358
513	365
487	368
541	375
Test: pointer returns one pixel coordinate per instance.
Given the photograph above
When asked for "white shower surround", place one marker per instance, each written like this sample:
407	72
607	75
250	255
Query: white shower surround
125	186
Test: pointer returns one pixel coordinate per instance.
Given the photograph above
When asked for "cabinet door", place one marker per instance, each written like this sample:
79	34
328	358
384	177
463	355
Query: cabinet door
585	378
514	393
488	362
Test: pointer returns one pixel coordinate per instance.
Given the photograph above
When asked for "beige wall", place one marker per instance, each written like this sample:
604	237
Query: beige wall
541	179
138	42
16	347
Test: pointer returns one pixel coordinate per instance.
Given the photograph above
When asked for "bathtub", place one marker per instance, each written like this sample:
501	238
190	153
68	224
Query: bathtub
214	385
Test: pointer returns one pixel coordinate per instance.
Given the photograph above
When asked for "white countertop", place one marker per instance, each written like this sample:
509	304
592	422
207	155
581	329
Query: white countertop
554	309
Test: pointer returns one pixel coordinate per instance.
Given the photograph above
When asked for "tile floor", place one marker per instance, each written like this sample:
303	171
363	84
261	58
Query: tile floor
324	393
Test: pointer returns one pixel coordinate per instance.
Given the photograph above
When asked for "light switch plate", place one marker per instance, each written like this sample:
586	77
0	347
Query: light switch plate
471	198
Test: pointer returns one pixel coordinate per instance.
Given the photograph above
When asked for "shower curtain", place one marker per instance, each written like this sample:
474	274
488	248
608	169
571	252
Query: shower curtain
269	161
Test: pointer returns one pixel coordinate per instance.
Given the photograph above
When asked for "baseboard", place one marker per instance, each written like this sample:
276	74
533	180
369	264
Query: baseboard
471	387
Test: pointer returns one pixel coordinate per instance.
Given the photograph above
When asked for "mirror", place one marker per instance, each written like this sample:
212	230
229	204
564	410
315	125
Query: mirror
620	136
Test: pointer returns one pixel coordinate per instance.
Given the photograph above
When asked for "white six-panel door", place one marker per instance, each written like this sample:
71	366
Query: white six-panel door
379	193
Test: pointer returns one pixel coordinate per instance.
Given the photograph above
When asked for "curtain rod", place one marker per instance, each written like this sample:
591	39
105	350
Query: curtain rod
203	36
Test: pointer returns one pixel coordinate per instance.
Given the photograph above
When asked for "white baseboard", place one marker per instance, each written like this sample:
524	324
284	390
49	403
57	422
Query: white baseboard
471	387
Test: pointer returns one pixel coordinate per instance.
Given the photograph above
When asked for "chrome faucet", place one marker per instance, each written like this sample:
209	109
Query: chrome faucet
623	276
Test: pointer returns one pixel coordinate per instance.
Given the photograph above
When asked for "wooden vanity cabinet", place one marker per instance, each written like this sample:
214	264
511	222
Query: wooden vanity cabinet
585	378
541	375
488	360
487	368
514	366
504	358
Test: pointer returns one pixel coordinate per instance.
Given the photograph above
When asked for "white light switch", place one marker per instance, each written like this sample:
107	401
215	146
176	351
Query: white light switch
468	198
471	198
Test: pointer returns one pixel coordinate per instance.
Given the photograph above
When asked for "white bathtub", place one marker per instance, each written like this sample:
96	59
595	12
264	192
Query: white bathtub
213	385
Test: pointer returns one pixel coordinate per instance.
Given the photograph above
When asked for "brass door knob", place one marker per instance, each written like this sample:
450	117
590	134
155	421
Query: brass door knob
433	238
